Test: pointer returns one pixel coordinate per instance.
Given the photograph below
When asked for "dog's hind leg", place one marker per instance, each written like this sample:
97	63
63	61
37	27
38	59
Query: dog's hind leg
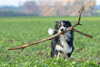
52	54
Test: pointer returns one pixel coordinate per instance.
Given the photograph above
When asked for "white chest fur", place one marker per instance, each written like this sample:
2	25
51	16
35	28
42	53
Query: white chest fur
66	48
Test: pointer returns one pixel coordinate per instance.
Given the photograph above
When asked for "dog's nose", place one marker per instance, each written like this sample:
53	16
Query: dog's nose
62	29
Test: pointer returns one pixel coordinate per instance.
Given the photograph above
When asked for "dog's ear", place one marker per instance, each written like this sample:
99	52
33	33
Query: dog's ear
69	23
56	22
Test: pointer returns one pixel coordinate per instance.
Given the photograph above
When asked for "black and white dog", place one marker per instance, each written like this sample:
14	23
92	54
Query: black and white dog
62	44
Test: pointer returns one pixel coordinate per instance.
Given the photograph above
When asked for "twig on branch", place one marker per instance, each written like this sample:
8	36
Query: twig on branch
79	17
82	33
51	37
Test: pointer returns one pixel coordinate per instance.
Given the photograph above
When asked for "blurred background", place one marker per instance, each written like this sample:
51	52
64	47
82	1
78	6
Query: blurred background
48	7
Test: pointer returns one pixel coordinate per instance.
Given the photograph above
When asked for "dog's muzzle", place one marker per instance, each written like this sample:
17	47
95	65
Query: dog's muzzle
62	30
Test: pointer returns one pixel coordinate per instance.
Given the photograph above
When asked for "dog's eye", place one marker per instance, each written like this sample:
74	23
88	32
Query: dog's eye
63	24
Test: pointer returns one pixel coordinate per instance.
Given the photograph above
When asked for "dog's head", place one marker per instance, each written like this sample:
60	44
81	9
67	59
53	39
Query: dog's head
62	25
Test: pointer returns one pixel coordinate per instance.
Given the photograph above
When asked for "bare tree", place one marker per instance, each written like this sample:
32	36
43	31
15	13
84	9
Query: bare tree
30	7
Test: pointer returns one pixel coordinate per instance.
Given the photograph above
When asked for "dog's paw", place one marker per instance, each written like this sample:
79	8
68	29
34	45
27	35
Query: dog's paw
50	31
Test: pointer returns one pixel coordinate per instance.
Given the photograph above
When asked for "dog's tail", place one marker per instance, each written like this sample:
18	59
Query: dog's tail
50	31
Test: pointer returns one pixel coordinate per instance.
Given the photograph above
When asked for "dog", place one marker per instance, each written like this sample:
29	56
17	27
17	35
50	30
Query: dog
62	45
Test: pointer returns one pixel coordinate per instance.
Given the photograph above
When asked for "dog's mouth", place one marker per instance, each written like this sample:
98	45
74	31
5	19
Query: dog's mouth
63	33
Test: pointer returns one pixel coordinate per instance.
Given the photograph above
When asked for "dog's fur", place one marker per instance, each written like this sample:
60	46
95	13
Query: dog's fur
62	44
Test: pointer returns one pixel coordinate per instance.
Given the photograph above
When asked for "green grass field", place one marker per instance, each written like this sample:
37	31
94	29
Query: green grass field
15	31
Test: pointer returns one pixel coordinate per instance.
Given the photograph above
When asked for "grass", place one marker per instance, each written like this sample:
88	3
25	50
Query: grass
15	31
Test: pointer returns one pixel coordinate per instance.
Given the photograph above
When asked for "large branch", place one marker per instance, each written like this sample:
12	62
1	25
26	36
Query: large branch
51	37
45	39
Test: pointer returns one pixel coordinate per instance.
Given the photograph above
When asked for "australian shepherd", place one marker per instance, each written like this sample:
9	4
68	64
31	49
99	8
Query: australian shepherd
63	44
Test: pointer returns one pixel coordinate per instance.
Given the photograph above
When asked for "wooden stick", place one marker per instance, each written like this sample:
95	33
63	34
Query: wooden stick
51	37
45	39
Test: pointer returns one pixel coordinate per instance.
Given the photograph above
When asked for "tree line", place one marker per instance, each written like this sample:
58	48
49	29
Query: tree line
54	8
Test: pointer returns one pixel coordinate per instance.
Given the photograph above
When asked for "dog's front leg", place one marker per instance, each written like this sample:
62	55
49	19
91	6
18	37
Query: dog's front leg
58	54
65	58
68	35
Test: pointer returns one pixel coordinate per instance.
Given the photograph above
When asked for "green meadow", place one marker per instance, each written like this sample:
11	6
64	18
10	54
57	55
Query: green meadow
16	31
